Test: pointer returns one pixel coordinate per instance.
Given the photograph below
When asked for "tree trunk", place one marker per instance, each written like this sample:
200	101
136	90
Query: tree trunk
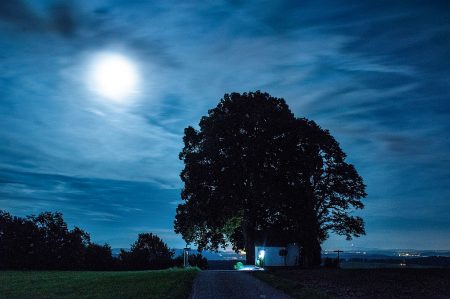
249	242
250	251
316	253
311	253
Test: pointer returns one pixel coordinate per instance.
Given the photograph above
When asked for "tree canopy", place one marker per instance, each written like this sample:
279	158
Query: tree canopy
44	242
252	168
40	242
148	252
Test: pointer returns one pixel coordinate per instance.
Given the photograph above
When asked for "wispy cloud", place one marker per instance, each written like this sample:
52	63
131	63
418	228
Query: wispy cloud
375	73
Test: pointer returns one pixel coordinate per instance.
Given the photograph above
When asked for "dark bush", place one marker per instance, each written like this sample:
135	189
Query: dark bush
197	260
329	262
194	260
99	258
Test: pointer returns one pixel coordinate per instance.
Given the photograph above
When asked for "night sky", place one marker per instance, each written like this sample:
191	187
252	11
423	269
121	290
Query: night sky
375	73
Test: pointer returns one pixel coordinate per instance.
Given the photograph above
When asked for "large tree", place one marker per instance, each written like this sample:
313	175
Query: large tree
252	167
229	165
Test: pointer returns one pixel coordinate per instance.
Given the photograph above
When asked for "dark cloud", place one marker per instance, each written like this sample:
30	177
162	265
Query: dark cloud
59	17
17	12
63	18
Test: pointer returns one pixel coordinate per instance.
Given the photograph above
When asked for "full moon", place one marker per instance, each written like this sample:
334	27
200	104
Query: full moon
113	76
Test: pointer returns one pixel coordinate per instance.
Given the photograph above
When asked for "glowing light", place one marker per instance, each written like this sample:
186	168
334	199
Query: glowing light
113	76
250	268
261	254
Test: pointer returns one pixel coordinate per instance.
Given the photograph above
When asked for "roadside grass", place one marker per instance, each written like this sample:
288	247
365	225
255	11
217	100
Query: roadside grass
171	283
291	287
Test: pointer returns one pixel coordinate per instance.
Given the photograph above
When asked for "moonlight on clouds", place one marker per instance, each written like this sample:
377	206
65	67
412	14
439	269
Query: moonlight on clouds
113	77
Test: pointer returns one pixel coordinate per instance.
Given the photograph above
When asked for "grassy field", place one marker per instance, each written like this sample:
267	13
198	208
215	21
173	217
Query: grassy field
172	283
360	283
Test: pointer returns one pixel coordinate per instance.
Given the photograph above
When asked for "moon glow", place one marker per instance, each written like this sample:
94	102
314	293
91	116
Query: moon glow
113	76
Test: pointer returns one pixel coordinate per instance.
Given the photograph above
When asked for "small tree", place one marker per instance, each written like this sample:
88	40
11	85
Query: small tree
148	252
99	257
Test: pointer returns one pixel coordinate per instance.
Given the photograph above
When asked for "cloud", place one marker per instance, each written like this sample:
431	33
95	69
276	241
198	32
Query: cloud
63	18
101	207
19	13
58	17
376	75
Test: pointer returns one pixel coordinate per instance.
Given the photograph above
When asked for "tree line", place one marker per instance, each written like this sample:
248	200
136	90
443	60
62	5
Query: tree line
254	172
44	242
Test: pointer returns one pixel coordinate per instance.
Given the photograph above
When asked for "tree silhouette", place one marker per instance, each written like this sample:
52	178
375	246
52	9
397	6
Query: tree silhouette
253	168
229	166
99	257
59	248
148	252
321	190
44	242
19	243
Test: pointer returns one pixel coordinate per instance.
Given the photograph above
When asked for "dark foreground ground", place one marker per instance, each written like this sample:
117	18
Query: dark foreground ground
176	283
228	284
362	283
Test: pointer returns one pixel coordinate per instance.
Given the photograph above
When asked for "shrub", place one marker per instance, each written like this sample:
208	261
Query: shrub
238	266
194	260
329	262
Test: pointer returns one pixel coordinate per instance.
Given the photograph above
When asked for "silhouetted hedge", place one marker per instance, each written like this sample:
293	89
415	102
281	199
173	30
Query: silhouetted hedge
44	242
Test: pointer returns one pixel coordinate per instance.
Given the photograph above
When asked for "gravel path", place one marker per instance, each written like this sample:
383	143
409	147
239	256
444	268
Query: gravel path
232	285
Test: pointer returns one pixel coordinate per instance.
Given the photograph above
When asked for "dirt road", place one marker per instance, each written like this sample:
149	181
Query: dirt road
232	285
